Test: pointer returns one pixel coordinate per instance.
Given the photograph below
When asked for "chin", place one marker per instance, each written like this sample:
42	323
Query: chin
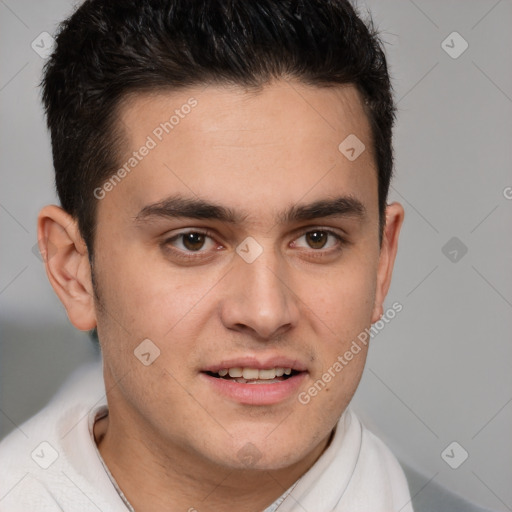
261	452
250	458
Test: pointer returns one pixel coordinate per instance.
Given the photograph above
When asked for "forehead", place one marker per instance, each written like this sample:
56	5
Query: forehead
227	108
227	144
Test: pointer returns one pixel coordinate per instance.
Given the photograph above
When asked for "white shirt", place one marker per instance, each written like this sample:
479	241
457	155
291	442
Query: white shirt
51	463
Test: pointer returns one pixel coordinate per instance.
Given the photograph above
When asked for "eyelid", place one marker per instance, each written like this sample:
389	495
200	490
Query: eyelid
166	243
340	237
190	255
186	231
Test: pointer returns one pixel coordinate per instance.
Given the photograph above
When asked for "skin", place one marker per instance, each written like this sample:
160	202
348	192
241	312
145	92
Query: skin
170	440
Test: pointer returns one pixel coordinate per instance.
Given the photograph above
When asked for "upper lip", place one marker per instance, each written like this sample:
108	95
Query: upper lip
260	363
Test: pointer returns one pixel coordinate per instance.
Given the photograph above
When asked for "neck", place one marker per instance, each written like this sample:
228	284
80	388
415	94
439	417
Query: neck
153	475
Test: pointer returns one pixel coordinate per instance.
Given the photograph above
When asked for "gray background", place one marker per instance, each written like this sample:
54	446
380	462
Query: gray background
440	371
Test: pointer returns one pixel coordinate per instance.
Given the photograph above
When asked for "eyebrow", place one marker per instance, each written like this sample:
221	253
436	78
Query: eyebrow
181	207
177	206
343	206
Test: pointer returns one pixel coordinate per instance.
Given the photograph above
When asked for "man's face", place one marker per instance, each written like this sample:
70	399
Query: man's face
281	274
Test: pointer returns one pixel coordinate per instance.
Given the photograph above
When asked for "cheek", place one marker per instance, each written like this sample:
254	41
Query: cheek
341	310
148	297
342	301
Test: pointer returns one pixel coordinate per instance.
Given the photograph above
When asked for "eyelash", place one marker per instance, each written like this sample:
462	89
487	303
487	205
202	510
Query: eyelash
188	255
195	255
338	237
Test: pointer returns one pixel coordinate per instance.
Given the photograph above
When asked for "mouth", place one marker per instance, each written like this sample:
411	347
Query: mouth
247	375
253	382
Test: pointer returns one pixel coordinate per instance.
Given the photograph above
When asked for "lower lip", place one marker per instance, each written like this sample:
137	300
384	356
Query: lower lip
257	394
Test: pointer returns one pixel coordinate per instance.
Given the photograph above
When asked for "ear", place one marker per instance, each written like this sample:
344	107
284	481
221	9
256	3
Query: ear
67	265
394	219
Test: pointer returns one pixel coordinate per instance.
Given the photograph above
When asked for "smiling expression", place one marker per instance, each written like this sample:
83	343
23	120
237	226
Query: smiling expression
245	246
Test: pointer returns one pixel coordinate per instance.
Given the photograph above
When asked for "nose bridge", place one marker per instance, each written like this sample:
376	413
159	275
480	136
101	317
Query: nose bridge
265	280
259	298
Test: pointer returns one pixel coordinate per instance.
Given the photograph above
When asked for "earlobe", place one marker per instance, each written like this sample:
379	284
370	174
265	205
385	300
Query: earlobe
67	265
394	219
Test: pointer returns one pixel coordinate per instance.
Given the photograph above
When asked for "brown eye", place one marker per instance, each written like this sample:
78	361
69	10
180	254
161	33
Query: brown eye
320	240
317	239
193	241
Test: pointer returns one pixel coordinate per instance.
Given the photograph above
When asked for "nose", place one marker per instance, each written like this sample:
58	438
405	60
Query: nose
258	298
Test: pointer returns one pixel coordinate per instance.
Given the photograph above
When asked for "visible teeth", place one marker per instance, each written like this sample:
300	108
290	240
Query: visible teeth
250	373
254	373
267	374
235	372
